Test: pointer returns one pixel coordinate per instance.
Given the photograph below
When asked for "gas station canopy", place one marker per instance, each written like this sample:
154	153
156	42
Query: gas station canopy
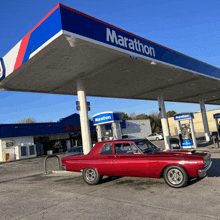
67	45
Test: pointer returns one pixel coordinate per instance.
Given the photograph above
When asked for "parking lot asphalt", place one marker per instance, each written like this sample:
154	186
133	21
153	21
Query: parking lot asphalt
27	193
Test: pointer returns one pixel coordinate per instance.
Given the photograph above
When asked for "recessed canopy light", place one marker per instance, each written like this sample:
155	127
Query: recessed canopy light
126	71
213	96
66	58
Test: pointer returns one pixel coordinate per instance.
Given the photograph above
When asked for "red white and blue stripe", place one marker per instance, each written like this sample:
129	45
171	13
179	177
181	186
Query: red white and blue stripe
65	20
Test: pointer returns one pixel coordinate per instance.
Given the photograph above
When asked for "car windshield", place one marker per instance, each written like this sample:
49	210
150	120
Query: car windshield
146	146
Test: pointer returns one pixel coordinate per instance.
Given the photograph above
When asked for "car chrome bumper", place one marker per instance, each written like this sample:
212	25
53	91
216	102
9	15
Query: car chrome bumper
63	168
202	173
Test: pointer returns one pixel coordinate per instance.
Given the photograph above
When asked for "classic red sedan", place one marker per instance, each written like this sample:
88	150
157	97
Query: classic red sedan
138	158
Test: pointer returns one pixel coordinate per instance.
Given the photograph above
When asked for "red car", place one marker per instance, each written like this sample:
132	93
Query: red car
138	158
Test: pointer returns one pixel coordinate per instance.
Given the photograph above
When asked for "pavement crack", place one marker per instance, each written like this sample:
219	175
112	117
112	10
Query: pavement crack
37	211
144	205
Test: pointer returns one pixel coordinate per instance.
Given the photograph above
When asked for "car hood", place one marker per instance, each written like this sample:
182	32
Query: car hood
182	152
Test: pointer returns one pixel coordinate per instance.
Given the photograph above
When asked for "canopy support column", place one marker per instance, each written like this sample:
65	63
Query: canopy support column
100	132
164	122
193	133
84	119
179	133
116	130
205	121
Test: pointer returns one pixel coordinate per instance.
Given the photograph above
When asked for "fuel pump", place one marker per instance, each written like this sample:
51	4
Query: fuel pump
186	131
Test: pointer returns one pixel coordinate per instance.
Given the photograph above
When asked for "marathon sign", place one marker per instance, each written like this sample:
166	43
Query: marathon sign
2	69
106	118
183	116
132	44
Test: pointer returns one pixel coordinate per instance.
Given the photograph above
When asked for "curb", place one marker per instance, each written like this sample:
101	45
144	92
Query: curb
66	172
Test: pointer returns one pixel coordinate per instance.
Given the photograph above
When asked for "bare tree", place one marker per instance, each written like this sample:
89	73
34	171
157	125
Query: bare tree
27	121
132	115
155	114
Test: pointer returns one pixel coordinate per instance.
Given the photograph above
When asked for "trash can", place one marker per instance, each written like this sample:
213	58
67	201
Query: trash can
174	143
215	139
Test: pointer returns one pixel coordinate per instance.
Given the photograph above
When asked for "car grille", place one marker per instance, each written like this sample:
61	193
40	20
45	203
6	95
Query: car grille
207	160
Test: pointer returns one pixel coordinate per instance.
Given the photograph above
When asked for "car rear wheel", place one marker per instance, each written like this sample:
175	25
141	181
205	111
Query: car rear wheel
91	176
175	176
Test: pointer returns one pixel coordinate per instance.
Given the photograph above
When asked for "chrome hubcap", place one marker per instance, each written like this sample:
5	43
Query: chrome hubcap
90	175
175	176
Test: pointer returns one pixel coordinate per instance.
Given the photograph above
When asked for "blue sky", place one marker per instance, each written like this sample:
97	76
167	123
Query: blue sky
190	27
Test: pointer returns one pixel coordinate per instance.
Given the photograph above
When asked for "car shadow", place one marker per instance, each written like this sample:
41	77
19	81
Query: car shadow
194	180
214	171
109	179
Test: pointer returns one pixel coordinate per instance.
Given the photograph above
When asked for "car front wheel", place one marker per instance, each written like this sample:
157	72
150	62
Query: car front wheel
175	176
91	176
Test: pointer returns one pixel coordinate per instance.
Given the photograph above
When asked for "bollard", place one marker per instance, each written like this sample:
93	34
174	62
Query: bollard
45	162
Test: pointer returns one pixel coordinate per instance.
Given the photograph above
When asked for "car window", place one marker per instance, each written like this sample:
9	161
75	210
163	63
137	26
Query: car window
107	149
134	149
124	148
146	147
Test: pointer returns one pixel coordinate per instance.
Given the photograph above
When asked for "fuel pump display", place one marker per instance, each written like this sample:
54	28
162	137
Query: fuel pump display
186	131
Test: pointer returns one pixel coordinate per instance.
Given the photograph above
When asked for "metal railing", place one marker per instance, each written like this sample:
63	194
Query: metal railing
45	162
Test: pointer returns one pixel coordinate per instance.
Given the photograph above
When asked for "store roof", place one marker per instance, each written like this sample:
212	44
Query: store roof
69	124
